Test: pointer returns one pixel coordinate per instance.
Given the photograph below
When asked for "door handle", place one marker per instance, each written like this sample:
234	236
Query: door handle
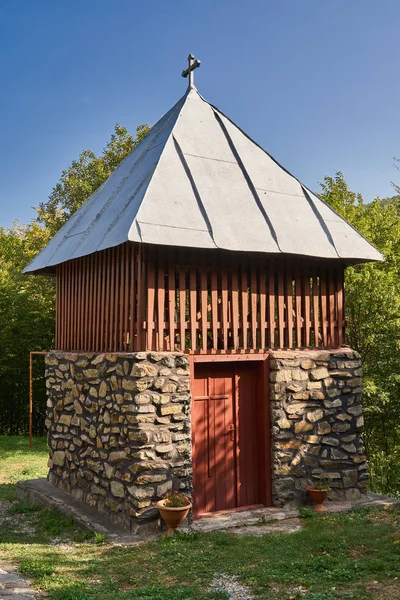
231	432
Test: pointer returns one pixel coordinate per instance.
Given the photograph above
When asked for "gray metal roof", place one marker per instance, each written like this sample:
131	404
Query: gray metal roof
199	181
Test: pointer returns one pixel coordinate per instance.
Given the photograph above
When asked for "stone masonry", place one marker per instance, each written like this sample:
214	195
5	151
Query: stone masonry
317	419
119	430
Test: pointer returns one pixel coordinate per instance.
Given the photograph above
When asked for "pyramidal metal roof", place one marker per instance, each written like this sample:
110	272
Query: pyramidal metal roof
197	180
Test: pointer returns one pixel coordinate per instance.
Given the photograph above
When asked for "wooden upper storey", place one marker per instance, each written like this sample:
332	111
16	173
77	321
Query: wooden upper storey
135	297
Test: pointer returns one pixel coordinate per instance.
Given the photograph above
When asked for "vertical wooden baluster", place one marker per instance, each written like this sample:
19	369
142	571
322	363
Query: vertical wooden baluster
253	304
171	300
132	299
115	311
289	303
193	302
244	287
316	316
58	293
142	295
340	305
224	304
324	307
101	317
281	306
299	320
204	303
82	270
235	305
125	326
86	290
271	304
263	306
151	294
332	307
107	306
94	320
307	309
182	302
85	299
214	304
61	341
69	306
74	306
121	303
89	294
161	301
78	267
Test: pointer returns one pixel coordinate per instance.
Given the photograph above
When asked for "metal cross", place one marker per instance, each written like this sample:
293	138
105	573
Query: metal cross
193	64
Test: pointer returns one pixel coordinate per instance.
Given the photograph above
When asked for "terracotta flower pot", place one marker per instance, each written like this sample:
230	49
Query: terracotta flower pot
318	497
173	515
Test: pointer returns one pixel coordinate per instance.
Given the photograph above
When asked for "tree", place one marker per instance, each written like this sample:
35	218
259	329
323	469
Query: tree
373	316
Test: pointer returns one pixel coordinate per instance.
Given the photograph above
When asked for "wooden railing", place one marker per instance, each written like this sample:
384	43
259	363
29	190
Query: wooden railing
136	297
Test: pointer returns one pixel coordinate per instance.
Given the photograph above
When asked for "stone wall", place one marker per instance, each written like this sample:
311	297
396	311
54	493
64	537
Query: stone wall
119	430
316	424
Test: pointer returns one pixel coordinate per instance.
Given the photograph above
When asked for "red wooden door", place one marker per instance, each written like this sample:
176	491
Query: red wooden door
226	425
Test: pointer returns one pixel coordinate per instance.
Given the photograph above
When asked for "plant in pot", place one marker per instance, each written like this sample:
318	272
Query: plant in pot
319	491
174	508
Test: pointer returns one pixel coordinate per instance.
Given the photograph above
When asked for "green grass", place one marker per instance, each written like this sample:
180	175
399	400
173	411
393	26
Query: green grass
334	557
18	462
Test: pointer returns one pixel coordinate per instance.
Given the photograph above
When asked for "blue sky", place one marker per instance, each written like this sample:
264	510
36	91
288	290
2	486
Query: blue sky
314	82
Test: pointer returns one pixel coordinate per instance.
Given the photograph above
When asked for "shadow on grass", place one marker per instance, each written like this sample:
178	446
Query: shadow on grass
8	492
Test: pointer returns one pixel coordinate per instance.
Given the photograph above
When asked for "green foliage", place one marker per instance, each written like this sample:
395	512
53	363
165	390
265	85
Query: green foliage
27	303
373	315
305	512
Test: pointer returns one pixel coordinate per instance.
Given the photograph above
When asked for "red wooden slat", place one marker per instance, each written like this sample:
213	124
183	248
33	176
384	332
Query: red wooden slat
281	310
73	307
299	319
88	299
263	307
332	306
182	307
224	305
244	302
101	321
117	265
171	303
122	311
324	307
58	296
271	305
316	320
340	305
151	294
307	308
204	304
214	305
161	303
193	303
108	268
132	298
289	304
253	304
235	307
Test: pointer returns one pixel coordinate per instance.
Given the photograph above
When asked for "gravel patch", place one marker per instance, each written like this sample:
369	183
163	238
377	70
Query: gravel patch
231	585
